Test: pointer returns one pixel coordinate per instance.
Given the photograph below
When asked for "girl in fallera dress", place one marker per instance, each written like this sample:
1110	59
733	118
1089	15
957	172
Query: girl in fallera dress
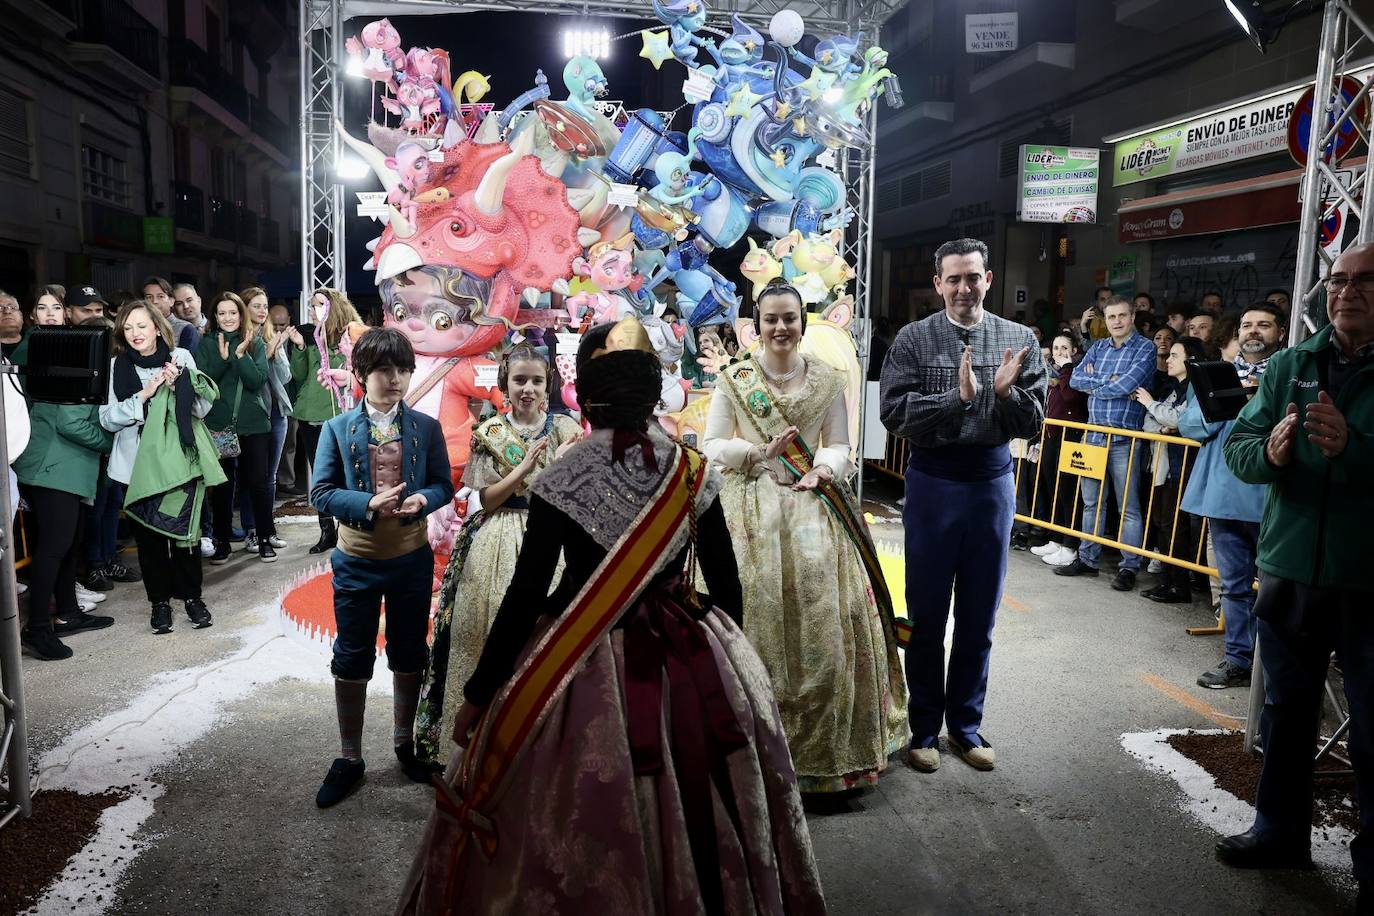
508	453
816	607
622	749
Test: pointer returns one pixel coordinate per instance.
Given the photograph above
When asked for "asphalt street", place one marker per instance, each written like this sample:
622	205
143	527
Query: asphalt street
223	735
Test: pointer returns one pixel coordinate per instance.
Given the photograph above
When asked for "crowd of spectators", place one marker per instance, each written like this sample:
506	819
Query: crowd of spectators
238	440
1123	364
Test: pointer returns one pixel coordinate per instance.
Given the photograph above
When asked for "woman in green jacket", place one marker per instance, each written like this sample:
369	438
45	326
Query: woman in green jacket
237	362
58	473
315	400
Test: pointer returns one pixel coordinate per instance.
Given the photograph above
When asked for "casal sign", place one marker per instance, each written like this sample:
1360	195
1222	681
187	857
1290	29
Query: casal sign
988	33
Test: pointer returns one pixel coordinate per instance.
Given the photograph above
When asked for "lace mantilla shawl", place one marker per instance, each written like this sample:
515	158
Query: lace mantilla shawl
605	497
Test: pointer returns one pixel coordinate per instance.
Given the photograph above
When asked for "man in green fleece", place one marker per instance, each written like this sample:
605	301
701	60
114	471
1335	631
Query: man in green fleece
1309	435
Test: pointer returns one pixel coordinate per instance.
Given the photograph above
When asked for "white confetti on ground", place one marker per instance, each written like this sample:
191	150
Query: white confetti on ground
1216	808
128	747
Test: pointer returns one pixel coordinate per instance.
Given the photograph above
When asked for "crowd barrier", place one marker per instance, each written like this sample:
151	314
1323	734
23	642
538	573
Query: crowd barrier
1050	499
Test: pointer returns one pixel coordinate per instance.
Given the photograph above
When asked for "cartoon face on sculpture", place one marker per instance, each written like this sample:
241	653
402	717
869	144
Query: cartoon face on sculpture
412	164
439	310
760	266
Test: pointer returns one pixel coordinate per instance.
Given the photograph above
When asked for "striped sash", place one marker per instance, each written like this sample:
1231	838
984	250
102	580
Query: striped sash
512	721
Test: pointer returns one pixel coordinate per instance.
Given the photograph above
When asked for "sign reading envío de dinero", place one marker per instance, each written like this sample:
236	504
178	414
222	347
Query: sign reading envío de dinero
1242	131
1057	184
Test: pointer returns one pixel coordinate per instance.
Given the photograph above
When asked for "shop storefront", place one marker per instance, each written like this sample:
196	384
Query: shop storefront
1222	207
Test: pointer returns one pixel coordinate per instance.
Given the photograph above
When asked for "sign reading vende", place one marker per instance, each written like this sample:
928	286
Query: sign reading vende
987	33
1243	131
1057	184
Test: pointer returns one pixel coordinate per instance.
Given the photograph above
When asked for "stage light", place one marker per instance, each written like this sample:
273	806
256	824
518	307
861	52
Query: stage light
350	168
833	94
593	43
1262	28
355	67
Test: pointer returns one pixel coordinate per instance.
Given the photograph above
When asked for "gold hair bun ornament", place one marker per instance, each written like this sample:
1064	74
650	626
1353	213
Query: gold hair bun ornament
628	334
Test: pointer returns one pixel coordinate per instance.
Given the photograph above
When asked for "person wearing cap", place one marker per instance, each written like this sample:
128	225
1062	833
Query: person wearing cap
85	302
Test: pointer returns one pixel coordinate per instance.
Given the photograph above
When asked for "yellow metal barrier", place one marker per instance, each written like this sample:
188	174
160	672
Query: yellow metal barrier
898	449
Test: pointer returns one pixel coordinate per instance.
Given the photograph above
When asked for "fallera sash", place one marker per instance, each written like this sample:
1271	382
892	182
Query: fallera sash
512	721
744	380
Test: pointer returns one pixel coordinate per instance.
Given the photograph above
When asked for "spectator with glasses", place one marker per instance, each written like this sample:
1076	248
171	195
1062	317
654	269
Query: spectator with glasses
12	325
1309	435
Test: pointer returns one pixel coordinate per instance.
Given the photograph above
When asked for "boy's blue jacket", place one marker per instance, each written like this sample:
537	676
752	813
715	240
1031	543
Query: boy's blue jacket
343	466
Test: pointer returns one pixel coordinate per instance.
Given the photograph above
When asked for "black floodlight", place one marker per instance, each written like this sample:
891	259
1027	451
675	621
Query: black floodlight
1262	28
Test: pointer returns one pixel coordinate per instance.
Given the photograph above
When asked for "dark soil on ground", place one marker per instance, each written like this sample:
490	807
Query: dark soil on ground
1224	757
35	851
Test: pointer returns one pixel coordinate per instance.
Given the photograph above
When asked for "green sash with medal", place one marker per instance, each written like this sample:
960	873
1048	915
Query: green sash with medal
744	381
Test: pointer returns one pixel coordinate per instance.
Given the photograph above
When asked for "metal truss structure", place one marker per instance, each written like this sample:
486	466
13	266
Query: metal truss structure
321	37
1324	195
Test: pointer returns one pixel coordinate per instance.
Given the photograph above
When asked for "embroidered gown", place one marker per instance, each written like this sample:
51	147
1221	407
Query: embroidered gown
690	809
479	571
809	609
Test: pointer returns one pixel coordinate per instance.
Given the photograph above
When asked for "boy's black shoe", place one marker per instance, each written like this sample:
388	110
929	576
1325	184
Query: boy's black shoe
1250	850
198	612
343	777
416	770
1076	568
329	537
43	643
161	621
121	573
75	623
97	581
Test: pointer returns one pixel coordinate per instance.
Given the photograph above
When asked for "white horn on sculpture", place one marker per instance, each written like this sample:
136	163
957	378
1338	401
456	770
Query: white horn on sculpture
399	224
372	156
493	187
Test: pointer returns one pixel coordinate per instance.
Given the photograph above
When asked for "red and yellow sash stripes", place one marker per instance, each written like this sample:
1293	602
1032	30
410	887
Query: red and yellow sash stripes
516	714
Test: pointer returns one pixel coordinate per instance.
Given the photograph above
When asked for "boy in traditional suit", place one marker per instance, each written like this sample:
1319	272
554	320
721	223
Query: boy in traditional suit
379	469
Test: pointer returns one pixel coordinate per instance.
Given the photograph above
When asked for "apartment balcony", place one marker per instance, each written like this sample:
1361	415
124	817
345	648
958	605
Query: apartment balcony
212	100
1039	61
56	17
188	207
114	44
223	219
247	222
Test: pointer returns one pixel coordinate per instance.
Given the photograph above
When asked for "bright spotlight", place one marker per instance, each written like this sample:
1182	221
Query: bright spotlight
593	43
355	66
833	94
350	168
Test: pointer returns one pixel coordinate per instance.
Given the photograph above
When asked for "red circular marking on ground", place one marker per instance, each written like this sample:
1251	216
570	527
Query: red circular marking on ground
311	604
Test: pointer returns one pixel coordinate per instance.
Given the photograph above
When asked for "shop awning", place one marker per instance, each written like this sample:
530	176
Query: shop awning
1268	200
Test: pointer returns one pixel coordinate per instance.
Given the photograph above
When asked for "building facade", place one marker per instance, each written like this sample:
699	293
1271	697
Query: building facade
1090	74
144	137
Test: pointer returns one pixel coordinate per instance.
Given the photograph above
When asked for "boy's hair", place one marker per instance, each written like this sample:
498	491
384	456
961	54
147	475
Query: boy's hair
380	347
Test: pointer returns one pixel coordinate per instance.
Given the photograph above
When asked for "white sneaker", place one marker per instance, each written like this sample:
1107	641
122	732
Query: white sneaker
276	542
1155	567
86	606
85	595
1061	557
1046	548
207	547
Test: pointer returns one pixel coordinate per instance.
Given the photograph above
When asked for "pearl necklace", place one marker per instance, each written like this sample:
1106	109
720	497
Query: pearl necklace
786	376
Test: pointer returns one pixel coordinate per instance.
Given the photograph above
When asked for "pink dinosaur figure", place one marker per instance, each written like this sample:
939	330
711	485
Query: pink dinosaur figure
384	56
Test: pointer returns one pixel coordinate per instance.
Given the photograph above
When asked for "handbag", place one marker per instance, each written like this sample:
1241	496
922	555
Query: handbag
227	440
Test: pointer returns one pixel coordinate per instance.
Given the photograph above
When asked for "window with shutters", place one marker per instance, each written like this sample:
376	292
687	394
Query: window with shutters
16	143
105	176
1050	133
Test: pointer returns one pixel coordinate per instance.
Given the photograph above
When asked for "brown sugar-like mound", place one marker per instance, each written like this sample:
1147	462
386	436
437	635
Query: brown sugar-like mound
34	852
1224	758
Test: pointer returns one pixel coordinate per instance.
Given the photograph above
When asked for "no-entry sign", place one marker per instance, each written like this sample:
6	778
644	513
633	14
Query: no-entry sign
1301	121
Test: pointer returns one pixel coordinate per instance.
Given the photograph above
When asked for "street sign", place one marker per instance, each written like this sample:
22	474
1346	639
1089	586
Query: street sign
1331	227
1300	123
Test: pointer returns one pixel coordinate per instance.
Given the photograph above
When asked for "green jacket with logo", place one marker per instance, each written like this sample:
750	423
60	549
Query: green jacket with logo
65	445
248	372
1317	514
